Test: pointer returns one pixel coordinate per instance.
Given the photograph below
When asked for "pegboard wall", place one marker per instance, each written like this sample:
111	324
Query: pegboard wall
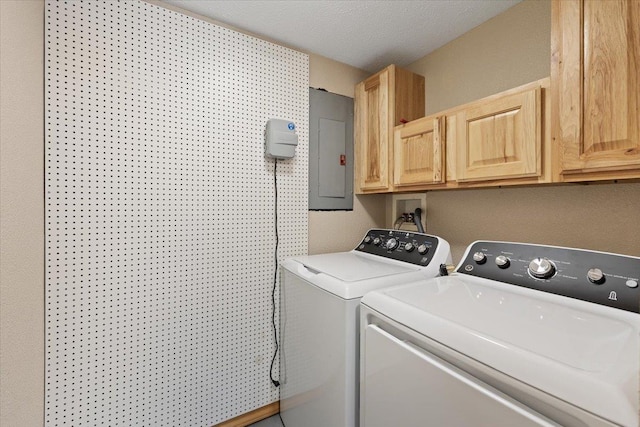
160	214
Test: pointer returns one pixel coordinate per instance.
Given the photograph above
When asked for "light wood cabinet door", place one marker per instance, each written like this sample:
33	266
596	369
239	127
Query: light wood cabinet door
419	152
383	101
372	131
500	138
595	74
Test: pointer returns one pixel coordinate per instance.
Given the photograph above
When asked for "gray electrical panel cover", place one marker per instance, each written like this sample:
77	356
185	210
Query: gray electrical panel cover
330	151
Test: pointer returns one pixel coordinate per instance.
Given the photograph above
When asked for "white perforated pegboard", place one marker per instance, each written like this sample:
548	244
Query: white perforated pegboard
160	222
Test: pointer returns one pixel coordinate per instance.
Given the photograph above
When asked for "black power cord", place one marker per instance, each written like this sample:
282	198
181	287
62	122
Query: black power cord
275	277
417	219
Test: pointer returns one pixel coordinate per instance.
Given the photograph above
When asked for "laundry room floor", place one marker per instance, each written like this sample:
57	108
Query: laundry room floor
273	421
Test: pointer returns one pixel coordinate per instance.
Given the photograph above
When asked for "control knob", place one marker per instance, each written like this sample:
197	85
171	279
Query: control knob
367	239
377	241
596	276
502	261
391	244
409	247
479	258
541	268
423	249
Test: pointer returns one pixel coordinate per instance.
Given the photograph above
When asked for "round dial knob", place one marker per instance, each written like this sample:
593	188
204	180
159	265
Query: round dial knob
423	249
595	275
541	268
502	261
409	247
368	239
392	243
479	257
377	241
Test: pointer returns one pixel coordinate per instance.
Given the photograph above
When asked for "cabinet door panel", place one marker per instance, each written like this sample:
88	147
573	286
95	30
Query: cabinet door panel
372	145
597	76
500	138
372	130
419	152
500	130
610	77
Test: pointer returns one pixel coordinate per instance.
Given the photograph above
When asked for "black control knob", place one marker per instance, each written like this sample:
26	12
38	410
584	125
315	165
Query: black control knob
423	249
502	261
377	241
541	268
368	240
391	244
596	276
479	258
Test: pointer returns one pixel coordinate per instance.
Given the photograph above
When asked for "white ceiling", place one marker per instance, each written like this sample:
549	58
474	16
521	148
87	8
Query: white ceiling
368	34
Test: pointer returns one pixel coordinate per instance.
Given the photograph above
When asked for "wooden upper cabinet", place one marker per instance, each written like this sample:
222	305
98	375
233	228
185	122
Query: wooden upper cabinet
419	152
382	101
595	72
500	138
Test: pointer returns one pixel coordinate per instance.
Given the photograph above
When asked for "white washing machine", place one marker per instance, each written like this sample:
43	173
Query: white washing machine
319	320
520	335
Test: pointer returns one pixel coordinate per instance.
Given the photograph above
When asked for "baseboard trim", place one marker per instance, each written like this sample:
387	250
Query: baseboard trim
252	417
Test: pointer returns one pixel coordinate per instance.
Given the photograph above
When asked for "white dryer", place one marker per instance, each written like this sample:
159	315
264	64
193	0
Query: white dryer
519	335
319	320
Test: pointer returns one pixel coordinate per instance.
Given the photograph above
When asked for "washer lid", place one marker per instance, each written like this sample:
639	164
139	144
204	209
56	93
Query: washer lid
583	353
350	275
354	267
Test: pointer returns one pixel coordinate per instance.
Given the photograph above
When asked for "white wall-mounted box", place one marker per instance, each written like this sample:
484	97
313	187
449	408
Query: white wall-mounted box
398	204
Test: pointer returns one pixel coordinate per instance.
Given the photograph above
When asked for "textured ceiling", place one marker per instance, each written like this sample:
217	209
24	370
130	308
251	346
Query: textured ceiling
365	34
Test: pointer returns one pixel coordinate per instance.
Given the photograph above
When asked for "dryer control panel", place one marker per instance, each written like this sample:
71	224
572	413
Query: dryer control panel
406	246
598	277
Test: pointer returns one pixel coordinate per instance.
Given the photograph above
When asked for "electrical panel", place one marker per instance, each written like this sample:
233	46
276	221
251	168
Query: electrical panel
330	151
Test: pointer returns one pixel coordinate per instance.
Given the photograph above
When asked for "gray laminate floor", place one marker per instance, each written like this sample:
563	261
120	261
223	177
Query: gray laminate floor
273	421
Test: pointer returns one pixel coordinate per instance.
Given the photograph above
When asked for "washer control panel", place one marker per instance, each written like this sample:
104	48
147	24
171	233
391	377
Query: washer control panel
598	277
406	246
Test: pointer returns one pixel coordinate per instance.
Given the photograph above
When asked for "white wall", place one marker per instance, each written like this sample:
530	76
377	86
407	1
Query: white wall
508	50
601	217
22	213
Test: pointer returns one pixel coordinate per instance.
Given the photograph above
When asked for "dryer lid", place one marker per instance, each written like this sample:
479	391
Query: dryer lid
583	353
